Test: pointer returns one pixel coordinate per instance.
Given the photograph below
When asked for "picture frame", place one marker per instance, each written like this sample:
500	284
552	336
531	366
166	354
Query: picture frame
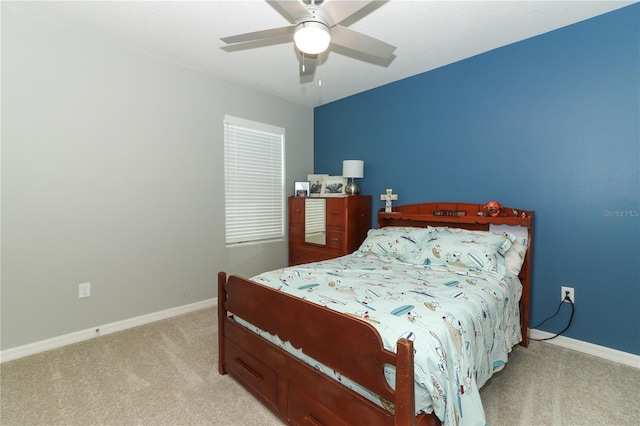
316	183
334	186
301	188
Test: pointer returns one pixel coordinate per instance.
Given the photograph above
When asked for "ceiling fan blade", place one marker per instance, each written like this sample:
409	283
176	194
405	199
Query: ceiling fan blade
345	37
307	64
260	35
338	11
294	8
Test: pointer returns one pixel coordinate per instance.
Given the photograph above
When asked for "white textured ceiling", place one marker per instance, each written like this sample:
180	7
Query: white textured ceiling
428	35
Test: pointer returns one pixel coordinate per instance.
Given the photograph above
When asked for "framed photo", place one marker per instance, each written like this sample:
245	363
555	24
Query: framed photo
316	182
301	189
334	186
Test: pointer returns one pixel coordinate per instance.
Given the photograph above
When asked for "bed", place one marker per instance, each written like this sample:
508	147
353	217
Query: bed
319	344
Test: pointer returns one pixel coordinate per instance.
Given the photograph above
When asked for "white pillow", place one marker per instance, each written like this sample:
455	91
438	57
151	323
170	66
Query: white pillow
514	257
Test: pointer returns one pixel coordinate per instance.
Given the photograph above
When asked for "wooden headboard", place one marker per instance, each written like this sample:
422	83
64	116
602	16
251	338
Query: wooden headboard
471	216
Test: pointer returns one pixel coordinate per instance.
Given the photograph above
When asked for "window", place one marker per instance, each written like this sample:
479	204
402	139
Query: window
253	181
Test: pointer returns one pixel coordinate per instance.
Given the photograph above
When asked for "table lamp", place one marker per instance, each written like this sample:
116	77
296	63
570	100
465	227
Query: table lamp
352	169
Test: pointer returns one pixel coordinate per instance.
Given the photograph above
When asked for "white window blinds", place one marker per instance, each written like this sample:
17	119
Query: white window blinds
254	181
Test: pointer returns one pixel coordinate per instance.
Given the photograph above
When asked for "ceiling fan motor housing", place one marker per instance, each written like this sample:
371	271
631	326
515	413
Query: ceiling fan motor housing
313	33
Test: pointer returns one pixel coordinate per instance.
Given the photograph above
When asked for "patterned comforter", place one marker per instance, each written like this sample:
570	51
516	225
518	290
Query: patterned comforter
463	322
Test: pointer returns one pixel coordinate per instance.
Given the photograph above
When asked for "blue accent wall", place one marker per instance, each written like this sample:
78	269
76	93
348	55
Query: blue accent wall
549	124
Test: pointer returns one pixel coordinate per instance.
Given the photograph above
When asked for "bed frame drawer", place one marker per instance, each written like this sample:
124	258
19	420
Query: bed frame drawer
319	402
252	372
304	411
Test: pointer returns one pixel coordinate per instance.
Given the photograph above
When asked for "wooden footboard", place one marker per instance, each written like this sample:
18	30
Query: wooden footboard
293	390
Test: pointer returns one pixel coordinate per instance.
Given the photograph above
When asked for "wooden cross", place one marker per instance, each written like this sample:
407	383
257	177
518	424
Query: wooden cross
388	197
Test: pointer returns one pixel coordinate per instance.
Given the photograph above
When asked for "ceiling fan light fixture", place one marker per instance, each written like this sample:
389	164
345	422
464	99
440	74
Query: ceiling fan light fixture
312	37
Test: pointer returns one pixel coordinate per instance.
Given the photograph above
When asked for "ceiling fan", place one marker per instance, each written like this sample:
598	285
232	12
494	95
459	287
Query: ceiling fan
315	26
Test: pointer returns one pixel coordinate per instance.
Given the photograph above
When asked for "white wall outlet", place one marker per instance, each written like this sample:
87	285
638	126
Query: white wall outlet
569	290
84	290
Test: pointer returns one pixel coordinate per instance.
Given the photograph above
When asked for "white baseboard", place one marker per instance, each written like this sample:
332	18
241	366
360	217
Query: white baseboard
79	336
588	348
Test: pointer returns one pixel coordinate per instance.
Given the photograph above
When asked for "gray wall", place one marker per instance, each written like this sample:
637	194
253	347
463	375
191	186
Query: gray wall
112	173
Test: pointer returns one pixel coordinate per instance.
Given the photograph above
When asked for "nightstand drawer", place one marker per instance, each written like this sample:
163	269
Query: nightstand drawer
299	254
296	234
296	211
335	216
335	239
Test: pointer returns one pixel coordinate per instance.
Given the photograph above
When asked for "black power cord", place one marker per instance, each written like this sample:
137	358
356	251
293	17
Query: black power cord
566	298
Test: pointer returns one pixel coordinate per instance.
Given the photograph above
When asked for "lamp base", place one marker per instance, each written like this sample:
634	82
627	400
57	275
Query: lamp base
352	187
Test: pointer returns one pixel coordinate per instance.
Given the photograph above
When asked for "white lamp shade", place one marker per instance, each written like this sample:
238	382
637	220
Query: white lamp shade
312	37
353	168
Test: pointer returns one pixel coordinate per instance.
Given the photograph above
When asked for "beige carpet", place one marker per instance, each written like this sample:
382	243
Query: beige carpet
166	374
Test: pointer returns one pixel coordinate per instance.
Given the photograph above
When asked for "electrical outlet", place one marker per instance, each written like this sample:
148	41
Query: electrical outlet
569	290
84	290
